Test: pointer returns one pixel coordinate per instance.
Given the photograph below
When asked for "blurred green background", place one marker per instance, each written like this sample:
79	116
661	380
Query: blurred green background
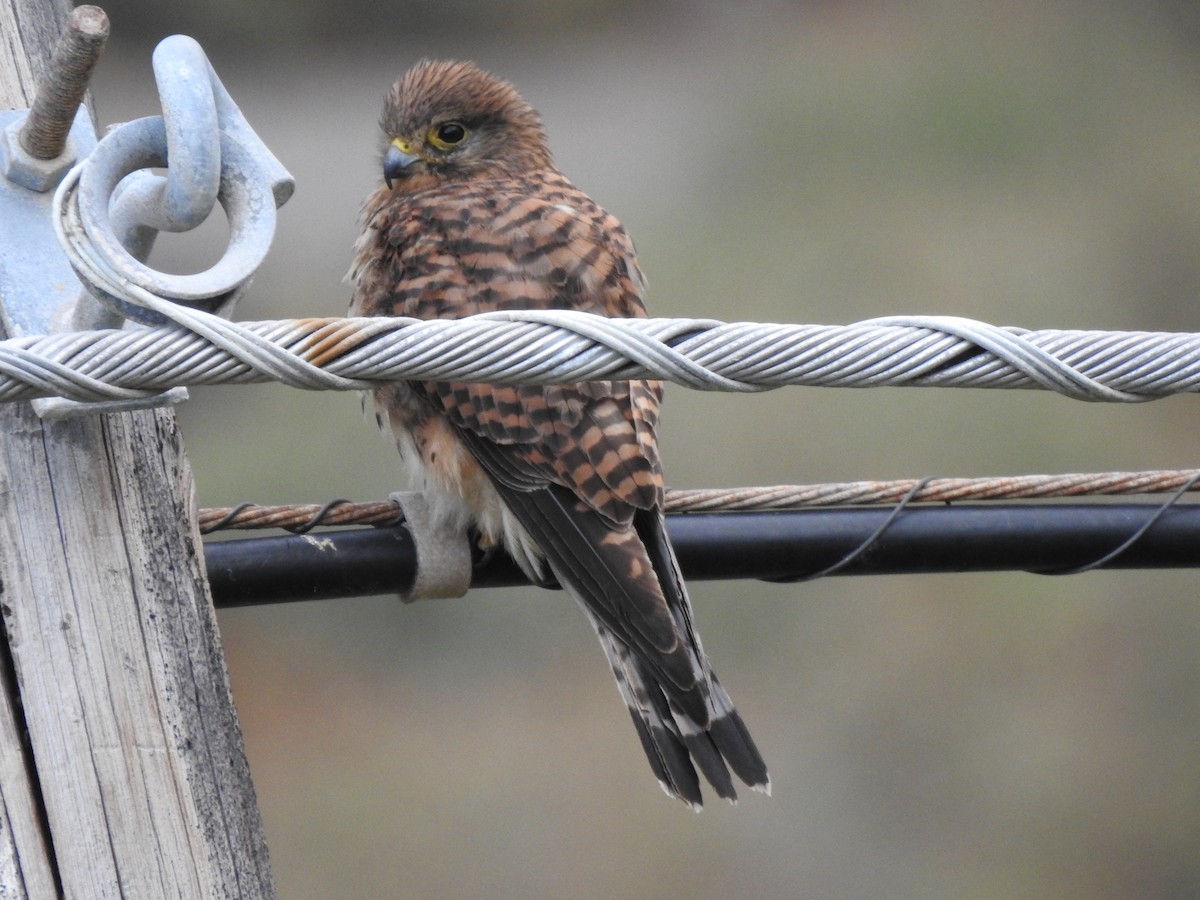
996	736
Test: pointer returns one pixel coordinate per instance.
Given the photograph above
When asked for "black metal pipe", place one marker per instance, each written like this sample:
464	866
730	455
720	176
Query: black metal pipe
763	545
321	566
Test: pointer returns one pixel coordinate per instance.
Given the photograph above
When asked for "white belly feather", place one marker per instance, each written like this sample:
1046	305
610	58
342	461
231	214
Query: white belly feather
459	492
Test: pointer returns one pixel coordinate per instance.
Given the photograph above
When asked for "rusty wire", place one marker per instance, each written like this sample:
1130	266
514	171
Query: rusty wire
303	517
300	518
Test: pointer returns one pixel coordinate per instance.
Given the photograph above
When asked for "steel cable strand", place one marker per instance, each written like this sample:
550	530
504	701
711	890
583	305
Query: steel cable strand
1140	361
641	349
1009	344
106	363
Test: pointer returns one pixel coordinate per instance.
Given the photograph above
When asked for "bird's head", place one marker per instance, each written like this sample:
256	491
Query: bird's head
452	121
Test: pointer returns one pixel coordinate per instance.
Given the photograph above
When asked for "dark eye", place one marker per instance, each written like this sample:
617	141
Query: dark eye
452	133
447	134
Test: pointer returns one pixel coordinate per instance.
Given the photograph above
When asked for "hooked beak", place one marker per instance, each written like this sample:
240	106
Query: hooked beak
396	161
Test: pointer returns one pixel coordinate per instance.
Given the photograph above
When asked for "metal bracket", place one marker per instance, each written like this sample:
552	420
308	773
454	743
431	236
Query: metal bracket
38	288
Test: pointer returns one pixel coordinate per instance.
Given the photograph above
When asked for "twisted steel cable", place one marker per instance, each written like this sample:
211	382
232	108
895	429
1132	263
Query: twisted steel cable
546	348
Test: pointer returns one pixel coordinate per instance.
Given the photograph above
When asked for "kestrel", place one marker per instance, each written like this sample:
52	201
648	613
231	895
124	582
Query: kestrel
472	217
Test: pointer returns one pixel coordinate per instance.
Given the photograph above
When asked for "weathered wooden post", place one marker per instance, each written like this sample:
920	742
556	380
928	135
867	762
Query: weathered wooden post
122	769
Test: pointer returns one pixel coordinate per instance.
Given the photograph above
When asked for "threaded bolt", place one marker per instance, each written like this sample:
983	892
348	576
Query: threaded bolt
61	89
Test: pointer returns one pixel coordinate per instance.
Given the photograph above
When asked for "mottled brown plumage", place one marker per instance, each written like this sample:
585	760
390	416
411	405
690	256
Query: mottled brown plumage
474	217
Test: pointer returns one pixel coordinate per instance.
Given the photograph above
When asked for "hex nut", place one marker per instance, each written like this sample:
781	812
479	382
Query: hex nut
21	168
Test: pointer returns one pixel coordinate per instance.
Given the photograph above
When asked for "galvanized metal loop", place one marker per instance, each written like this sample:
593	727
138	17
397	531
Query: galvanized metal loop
183	198
244	192
211	155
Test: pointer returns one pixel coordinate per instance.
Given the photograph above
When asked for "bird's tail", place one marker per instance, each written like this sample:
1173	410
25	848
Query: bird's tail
683	716
674	743
626	578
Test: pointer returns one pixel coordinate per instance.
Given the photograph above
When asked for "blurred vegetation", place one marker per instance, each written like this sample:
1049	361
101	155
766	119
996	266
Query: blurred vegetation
1022	163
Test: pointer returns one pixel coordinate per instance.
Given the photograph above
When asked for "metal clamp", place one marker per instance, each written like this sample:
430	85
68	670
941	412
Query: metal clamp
443	551
117	207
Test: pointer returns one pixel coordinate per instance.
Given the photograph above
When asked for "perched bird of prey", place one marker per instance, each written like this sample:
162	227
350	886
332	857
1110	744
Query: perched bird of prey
472	216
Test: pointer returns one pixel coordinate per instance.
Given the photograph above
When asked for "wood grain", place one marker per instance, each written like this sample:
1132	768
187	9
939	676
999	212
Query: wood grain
137	757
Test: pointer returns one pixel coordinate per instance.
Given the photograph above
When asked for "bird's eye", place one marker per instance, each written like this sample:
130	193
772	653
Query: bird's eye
447	134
